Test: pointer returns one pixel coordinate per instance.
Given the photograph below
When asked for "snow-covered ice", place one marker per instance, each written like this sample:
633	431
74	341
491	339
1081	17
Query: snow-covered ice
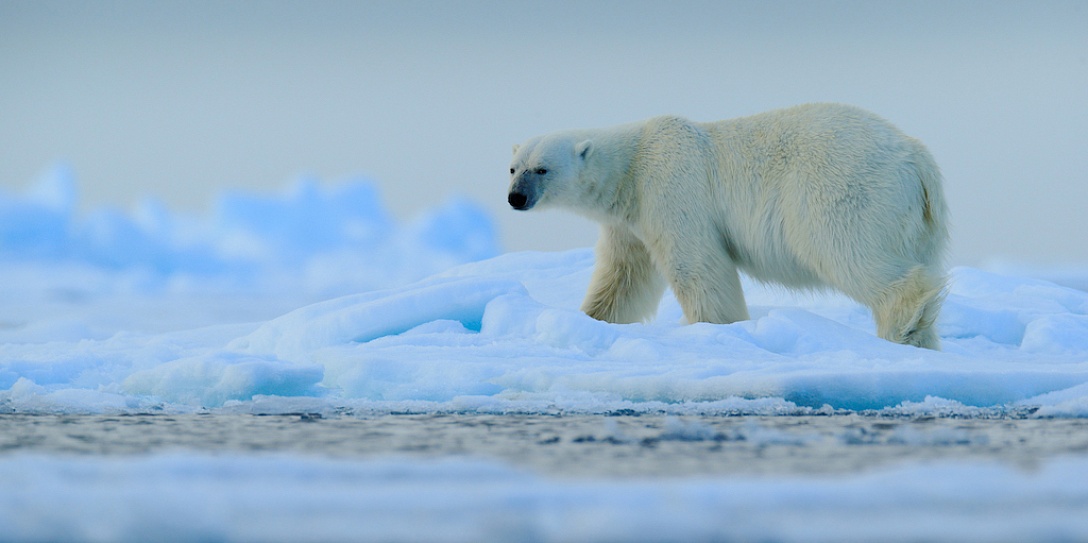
505	334
382	321
317	300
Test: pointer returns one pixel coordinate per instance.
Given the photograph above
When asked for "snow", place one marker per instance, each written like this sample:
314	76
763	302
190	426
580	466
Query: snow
318	299
505	334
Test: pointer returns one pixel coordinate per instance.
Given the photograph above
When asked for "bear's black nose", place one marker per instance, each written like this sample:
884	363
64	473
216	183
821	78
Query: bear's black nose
517	200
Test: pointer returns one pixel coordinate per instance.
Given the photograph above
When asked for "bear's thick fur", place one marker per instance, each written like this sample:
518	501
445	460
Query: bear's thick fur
818	195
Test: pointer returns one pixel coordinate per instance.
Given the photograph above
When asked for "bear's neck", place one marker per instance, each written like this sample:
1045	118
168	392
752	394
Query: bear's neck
609	195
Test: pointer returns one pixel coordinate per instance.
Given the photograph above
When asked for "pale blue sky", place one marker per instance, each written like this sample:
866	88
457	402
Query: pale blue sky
178	100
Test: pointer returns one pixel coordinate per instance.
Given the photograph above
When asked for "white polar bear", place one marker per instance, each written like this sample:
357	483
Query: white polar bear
818	195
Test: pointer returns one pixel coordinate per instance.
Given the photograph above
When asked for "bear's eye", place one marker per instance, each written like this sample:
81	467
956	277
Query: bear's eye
511	171
541	171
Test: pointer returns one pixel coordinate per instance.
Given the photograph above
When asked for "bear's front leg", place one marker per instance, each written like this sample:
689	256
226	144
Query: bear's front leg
702	276
625	287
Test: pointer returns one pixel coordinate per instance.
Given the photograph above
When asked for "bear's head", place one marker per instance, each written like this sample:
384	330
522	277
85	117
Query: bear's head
547	171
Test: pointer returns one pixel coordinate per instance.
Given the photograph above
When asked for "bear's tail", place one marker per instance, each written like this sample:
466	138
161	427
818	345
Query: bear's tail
933	245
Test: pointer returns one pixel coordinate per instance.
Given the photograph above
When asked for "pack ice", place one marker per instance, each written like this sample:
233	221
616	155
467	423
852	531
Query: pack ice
318	297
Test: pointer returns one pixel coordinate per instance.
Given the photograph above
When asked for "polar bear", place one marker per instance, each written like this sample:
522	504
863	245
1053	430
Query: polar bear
817	195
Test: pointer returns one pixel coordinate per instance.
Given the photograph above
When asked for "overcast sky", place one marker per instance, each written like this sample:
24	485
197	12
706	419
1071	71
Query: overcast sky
179	100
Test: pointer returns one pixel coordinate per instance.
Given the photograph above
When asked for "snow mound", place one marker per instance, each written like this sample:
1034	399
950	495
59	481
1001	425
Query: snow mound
505	334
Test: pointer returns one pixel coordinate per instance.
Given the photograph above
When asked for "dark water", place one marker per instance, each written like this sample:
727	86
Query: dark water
570	445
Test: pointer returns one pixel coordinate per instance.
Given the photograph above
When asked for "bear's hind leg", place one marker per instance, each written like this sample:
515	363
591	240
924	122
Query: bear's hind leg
625	287
907	311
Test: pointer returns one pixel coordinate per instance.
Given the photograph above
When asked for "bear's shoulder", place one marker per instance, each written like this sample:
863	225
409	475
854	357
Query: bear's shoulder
671	128
667	122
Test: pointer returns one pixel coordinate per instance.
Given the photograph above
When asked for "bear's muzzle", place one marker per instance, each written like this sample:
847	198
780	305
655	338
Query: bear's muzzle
518	201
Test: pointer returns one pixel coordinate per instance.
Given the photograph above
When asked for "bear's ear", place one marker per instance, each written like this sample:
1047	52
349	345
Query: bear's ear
583	149
516	147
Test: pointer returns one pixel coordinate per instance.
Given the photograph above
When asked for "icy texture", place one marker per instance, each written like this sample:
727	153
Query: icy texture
505	334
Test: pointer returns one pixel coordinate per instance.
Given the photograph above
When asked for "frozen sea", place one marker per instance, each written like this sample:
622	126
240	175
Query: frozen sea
304	367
